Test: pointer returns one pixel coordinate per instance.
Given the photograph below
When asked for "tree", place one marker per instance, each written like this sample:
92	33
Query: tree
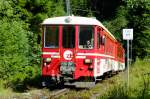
116	24
13	51
138	16
81	8
14	46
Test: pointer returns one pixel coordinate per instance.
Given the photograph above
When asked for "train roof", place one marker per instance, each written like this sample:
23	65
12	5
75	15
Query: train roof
74	20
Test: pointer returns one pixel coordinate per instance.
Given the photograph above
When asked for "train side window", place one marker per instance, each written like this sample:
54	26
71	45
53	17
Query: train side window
103	39
98	41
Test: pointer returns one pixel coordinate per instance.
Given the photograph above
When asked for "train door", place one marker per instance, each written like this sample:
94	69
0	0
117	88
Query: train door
97	71
67	50
100	50
50	50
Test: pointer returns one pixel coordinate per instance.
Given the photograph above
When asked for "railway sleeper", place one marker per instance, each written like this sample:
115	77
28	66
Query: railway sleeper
79	84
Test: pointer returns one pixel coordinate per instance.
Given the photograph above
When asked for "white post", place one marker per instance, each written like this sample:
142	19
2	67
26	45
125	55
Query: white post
128	35
127	63
131	52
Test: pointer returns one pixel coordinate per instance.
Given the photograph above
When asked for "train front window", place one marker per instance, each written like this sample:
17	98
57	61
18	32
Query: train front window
86	37
51	35
68	36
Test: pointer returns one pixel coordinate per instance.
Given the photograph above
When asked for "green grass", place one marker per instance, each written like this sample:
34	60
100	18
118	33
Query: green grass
139	84
5	93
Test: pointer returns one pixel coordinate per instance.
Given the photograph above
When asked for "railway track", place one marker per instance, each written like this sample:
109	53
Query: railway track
57	93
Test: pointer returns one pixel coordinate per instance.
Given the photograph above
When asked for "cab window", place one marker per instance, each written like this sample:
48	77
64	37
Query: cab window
51	35
68	36
86	37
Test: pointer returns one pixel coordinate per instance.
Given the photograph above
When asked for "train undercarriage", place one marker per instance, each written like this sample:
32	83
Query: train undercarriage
68	80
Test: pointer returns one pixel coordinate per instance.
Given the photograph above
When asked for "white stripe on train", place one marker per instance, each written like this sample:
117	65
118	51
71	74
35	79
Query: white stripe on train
50	53
79	55
95	54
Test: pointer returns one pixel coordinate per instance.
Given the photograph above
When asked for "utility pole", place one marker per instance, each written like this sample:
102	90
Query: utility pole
68	7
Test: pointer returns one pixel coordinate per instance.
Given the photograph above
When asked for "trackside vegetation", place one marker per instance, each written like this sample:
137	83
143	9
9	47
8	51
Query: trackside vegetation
139	84
14	67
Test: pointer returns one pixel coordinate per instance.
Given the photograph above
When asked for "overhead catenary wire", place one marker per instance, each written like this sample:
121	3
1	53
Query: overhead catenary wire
68	7
86	10
77	8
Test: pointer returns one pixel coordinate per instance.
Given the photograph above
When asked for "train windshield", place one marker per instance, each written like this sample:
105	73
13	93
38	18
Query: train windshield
51	35
68	36
86	37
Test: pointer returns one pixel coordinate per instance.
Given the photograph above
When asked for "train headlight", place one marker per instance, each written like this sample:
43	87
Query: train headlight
88	61
48	60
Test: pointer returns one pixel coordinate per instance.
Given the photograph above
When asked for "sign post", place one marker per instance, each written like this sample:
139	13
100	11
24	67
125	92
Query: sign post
127	35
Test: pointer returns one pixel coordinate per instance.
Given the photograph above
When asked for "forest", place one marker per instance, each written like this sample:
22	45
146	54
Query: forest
20	31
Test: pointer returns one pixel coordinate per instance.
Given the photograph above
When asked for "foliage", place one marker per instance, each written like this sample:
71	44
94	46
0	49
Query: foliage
81	8
5	9
139	20
14	52
118	23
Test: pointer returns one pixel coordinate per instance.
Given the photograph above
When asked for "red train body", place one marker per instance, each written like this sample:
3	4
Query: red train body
76	48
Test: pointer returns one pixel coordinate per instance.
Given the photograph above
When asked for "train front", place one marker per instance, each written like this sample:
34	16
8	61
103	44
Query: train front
65	45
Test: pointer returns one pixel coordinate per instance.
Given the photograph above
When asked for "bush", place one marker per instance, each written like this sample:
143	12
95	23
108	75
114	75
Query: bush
14	52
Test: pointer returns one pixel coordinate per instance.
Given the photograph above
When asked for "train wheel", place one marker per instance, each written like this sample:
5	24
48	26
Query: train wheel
60	84
110	74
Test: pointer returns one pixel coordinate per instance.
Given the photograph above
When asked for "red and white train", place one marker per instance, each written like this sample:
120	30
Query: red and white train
76	49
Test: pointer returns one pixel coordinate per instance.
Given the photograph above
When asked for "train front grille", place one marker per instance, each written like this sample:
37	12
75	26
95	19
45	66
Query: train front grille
67	69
